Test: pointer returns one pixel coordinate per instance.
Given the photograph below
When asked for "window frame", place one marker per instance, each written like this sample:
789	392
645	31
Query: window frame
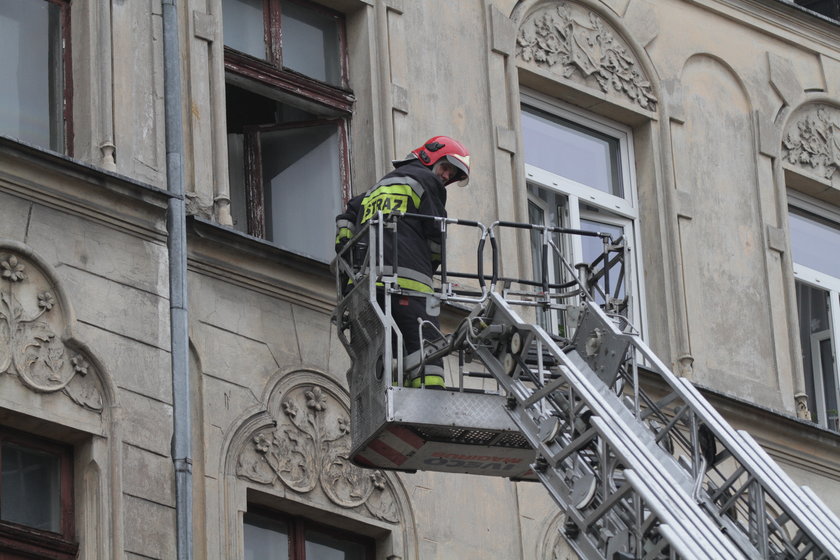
29	542
826	283
255	189
269	79
271	72
622	211
297	531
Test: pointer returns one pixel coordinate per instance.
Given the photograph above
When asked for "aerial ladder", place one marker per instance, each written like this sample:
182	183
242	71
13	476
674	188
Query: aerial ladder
637	459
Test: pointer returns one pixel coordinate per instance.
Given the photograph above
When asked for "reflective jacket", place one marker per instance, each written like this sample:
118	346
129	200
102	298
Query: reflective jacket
410	188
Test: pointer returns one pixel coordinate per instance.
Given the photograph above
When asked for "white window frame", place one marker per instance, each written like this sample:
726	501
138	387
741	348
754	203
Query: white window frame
826	283
625	210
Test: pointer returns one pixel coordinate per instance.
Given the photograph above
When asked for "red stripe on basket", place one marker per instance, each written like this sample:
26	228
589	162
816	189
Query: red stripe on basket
408	436
388	452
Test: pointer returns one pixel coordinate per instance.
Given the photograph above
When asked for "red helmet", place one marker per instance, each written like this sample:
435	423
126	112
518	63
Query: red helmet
451	151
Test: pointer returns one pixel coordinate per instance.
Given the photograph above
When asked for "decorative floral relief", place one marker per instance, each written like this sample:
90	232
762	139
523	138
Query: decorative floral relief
29	345
309	449
572	41
814	142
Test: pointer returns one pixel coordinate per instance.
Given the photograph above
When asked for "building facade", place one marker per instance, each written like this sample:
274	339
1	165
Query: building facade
706	132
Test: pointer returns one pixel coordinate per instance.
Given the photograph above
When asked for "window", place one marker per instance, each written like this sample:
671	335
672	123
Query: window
269	536
815	238
36	499
35	90
828	8
288	111
579	176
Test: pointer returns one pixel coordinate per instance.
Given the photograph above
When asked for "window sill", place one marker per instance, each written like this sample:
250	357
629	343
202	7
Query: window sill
258	264
39	544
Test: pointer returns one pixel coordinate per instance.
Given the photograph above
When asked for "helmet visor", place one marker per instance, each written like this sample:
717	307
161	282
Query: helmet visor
463	176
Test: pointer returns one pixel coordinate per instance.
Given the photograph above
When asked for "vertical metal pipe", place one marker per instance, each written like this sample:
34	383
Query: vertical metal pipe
177	245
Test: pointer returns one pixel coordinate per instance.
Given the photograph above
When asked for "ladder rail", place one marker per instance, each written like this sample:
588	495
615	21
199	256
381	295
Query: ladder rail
676	505
743	449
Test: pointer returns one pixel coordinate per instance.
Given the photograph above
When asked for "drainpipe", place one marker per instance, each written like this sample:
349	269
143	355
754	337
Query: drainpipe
177	246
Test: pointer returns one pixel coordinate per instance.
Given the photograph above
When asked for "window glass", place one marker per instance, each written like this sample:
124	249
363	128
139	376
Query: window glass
815	337
571	151
310	43
265	539
815	243
243	25
593	247
327	547
823	349
302	188
30	487
31	91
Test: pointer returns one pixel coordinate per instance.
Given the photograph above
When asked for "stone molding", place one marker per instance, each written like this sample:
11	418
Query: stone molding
575	43
304	447
811	142
34	320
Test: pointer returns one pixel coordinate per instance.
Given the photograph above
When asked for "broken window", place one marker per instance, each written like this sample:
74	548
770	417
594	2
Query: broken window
34	93
288	112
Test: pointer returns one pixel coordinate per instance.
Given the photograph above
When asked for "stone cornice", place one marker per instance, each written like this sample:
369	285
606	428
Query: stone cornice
259	265
792	22
81	189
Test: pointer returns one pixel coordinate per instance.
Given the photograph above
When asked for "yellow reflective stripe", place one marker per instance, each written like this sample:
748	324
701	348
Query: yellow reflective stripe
388	198
429	381
413	285
409	284
343	233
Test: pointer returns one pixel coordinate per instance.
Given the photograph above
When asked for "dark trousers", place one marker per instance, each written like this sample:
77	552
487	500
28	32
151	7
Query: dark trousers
406	310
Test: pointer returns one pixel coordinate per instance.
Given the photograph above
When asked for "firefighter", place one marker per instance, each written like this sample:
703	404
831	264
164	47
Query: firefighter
417	185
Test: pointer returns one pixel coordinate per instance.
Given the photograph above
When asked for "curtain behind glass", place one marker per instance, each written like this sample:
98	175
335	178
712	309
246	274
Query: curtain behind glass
302	180
243	26
310	43
572	151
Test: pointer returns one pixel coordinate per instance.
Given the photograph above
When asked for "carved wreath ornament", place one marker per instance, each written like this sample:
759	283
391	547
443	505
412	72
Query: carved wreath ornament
569	40
814	142
309	449
30	318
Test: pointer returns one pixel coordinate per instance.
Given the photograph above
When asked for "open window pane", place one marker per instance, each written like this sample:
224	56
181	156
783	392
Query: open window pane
310	43
265	539
302	182
815	243
593	247
822	349
31	92
243	26
814	325
31	492
571	151
327	547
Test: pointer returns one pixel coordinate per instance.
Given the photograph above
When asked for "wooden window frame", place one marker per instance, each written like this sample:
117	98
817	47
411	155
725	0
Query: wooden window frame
20	541
336	101
67	75
254	187
297	532
272	72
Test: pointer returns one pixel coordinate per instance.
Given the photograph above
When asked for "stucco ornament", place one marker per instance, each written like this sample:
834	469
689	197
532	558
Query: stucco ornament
576	43
813	142
31	345
309	450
